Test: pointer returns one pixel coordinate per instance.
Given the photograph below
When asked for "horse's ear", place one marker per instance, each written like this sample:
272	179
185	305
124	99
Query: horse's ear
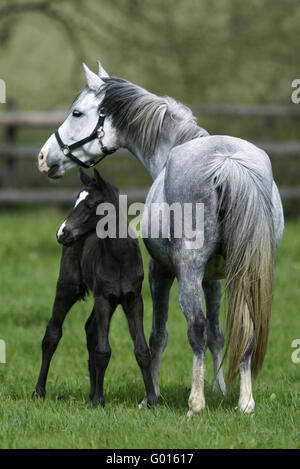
101	72
85	178
99	180
93	81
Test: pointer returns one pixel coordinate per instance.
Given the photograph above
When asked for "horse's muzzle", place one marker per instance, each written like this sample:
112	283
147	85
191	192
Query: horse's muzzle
43	167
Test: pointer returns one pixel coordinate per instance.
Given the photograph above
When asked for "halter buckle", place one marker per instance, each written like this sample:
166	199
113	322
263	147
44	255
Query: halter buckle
66	150
100	132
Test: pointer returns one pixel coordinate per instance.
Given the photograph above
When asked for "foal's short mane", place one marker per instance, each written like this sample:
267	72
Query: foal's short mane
140	114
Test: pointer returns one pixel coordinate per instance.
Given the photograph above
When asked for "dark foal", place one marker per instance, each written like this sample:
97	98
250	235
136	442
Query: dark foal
112	269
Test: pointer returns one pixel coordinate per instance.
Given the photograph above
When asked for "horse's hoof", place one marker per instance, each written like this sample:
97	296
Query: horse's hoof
196	405
247	407
143	403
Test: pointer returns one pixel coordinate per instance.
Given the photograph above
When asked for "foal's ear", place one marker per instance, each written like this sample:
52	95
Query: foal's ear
101	72
85	178
99	180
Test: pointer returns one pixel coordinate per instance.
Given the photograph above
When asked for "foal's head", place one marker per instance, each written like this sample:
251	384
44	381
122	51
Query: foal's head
82	218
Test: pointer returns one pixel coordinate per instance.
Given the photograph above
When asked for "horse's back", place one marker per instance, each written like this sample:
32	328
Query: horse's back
188	162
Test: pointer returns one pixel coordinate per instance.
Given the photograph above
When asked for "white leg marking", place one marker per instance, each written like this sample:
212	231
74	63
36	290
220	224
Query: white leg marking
246	402
197	399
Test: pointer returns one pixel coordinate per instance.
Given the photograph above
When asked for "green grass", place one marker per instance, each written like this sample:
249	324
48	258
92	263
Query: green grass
29	256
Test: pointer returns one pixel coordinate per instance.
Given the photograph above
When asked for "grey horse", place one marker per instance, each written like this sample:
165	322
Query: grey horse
230	181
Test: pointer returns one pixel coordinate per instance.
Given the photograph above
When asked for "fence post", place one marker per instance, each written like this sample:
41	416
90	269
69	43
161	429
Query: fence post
9	173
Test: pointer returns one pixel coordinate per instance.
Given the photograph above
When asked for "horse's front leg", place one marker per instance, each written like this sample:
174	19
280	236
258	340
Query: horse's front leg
212	291
190	299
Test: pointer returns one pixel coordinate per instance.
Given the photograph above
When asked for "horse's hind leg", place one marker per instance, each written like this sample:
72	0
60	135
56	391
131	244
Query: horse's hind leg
66	296
246	402
160	284
215	342
133	308
190	299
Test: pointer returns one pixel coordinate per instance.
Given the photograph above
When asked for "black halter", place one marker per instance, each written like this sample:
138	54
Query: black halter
98	133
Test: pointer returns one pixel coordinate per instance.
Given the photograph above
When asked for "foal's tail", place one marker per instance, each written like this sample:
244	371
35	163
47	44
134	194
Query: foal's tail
245	204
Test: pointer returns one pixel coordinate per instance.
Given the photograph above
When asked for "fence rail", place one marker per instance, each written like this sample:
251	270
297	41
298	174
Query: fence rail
11	152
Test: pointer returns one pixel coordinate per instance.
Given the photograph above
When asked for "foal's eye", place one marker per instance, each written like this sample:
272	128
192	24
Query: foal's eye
91	204
76	113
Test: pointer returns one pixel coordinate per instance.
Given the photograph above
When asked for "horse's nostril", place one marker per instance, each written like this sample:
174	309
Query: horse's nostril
41	156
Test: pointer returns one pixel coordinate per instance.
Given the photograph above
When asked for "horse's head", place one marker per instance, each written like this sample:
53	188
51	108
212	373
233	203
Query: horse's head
83	218
85	136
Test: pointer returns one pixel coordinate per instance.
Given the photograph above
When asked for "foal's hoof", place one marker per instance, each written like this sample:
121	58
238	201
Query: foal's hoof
98	402
39	393
152	400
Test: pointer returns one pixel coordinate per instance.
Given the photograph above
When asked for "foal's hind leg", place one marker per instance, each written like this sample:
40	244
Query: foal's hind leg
103	312
160	284
212	291
91	336
133	308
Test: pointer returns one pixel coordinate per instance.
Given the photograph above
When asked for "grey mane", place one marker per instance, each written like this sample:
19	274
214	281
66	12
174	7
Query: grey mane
140	115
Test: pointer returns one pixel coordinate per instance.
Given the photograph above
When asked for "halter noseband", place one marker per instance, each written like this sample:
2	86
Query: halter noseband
98	133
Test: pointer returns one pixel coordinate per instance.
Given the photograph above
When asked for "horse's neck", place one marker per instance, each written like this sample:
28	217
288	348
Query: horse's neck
155	163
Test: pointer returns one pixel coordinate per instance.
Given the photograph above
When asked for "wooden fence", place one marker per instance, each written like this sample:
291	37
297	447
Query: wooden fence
11	152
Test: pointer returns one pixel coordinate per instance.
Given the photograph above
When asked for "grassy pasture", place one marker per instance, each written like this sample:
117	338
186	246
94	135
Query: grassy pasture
29	259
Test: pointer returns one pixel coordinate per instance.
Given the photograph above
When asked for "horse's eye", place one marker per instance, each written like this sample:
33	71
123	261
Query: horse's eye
76	113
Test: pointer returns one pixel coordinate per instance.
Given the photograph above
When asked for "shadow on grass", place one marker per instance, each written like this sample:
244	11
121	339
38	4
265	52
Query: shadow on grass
174	396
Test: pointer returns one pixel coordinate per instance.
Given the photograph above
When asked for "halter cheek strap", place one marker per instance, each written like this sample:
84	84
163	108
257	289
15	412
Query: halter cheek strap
98	133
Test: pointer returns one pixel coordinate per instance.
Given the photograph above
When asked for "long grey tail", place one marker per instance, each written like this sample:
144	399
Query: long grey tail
245	204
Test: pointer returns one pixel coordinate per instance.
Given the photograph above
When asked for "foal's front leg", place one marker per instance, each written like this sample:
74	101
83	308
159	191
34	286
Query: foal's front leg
69	289
66	296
